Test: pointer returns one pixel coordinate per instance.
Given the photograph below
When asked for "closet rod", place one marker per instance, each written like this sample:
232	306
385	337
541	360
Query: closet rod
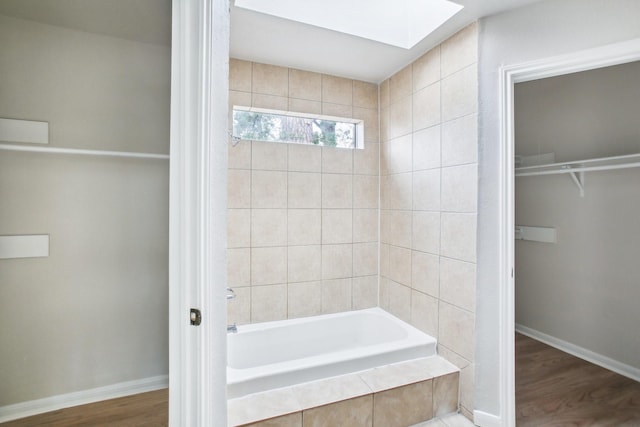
572	169
78	151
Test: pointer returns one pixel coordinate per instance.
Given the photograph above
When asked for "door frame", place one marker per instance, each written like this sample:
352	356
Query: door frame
604	56
198	207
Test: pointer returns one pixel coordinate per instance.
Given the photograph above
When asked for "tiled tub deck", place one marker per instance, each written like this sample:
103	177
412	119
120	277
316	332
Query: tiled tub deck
397	395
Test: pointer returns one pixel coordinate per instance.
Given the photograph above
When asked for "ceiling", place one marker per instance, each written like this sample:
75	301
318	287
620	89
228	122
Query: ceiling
254	36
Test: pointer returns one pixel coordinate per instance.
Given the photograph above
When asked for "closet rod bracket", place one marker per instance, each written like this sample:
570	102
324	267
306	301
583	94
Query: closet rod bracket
578	180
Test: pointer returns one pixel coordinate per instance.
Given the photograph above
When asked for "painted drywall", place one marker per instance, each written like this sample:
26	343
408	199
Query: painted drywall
95	312
302	219
583	289
429	186
537	31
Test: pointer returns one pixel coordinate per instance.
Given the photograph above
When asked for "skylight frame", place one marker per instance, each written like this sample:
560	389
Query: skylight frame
399	23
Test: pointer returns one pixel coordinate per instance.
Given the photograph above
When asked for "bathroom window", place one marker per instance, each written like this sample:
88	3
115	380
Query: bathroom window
296	128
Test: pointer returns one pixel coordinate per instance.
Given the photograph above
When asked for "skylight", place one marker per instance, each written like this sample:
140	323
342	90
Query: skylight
401	23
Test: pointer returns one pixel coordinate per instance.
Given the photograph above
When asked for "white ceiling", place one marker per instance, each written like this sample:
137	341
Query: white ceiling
254	36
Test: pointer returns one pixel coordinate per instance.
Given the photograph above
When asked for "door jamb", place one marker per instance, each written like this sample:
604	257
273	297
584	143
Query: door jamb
605	56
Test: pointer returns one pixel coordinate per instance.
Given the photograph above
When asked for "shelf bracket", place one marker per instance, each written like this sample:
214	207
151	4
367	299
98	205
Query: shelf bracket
579	181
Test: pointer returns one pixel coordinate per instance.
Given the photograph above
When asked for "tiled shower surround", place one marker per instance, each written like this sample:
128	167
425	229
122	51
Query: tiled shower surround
428	122
303	220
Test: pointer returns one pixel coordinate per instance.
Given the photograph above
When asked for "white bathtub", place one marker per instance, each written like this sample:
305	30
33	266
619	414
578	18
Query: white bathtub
277	354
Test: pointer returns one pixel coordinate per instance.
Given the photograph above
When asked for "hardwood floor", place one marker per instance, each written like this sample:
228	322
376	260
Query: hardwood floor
145	409
554	388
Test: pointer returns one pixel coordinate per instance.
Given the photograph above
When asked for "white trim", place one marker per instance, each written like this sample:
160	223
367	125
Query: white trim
484	419
605	56
67	400
82	152
582	353
197	235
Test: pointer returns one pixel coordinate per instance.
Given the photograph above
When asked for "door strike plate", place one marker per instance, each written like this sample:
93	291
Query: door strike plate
196	317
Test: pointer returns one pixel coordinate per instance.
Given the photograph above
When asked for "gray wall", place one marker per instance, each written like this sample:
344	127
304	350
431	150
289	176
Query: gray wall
584	289
95	312
538	31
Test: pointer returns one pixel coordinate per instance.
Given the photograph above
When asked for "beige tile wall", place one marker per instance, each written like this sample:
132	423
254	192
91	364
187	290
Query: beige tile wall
428	168
303	220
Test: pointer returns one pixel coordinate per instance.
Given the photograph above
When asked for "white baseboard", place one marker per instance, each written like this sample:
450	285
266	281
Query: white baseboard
53	403
588	355
484	419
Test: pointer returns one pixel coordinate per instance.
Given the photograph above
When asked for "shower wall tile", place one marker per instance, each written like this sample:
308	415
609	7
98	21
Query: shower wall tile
456	329
268	265
425	273
337	261
304	158
460	188
426	69
239	309
460	93
397	155
268	227
239	267
367	161
269	101
337	90
426	232
400	84
460	141
239	189
426	149
305	85
365	259
383	91
400	265
240	155
239	75
424	313
458	283
337	160
337	226
304	190
426	107
400	301
268	189
365	95
459	236
337	110
304	263
428	133
305	106
239	228
365	225
396	227
337	191
426	190
460	50
336	295
304	226
400	117
268	303
365	292
295	211
305	299
370	118
268	156
365	191
270	80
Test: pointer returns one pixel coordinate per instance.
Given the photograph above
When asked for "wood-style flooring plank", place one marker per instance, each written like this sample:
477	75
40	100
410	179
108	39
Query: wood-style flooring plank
144	409
554	388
